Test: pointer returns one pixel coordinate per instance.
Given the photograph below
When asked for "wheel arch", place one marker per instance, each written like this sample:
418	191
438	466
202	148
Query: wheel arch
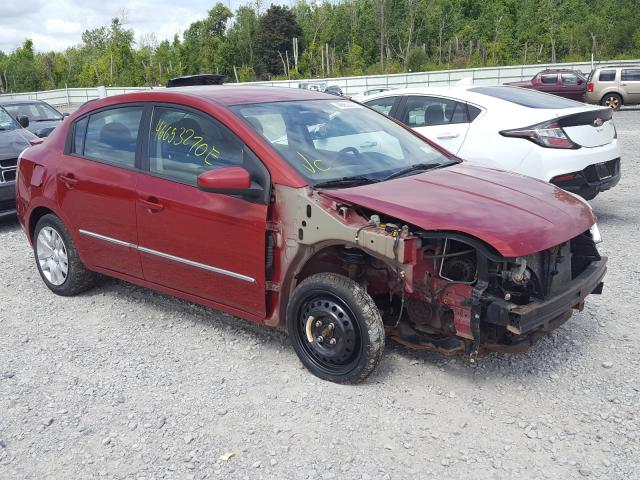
314	259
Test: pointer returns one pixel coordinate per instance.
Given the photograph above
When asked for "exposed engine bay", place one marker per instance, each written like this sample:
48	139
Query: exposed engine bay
446	290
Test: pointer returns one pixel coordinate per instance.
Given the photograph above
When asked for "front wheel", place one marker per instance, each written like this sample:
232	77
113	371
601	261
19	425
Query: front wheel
335	328
612	100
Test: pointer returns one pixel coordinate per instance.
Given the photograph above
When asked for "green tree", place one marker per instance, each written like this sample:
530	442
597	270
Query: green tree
278	27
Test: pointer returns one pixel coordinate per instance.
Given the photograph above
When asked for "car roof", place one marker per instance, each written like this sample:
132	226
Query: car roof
455	92
243	94
8	101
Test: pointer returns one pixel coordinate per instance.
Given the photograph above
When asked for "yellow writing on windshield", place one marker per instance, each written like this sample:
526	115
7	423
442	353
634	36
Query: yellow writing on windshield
183	136
313	166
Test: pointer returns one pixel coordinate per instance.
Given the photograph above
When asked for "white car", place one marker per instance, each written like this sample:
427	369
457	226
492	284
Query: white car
567	143
360	97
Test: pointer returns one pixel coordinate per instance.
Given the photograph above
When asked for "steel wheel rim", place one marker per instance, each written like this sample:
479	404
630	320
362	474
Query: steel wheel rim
337	358
52	256
612	102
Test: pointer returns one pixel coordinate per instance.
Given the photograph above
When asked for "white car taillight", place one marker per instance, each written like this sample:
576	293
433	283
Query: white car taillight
547	134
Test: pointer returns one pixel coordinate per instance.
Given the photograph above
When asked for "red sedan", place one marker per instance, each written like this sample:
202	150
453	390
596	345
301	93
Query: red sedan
297	208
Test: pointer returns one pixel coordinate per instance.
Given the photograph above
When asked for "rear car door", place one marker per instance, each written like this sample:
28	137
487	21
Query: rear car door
630	85
443	120
549	83
572	86
96	181
209	245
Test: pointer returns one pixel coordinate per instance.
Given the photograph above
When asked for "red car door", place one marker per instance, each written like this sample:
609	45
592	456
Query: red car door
572	86
97	187
549	83
206	244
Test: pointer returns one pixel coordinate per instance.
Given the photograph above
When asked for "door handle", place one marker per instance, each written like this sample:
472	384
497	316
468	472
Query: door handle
69	180
445	136
151	204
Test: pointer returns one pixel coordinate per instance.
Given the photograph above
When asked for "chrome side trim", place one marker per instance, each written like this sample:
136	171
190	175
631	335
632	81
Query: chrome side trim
197	265
107	239
184	261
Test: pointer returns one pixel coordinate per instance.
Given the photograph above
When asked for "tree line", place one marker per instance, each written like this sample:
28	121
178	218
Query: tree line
340	38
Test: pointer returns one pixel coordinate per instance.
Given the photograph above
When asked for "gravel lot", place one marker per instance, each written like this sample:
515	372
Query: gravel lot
125	383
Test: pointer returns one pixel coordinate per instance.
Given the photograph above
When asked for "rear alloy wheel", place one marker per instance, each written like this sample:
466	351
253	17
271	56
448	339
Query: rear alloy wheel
335	328
612	100
57	259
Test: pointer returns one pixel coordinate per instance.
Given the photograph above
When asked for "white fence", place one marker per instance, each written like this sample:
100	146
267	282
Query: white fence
349	85
69	96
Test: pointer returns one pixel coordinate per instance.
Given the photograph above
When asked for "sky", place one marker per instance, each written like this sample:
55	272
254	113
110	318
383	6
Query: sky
58	24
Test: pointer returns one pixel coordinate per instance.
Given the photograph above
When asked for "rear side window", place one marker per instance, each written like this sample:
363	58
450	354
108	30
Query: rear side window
79	131
569	79
382	105
526	98
183	145
607	76
112	136
473	112
422	111
549	79
630	75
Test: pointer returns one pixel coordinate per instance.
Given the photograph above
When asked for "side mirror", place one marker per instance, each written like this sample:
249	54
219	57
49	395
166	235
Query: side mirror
23	121
232	180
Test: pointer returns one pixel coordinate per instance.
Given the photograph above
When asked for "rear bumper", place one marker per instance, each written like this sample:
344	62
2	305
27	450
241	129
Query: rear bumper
7	199
521	320
592	180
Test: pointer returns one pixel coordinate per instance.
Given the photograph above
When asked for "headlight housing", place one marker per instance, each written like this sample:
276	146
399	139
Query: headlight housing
595	233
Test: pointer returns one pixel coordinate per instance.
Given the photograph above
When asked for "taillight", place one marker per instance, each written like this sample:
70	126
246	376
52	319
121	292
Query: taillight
590	87
547	134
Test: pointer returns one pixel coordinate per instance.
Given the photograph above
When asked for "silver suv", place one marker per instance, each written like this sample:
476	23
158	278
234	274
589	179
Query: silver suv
614	86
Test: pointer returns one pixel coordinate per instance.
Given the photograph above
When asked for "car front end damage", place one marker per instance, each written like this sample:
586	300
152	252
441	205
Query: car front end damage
481	302
440	290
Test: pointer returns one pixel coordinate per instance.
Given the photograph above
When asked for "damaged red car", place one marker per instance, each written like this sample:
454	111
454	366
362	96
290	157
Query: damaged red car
297	209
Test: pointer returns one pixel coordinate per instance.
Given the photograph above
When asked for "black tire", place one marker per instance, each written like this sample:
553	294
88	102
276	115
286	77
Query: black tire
78	279
612	100
344	313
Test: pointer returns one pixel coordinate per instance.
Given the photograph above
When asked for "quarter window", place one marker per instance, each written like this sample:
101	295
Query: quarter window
112	135
382	105
426	111
631	75
79	131
607	76
183	145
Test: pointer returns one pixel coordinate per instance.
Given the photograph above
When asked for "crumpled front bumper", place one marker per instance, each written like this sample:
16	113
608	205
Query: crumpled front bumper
551	312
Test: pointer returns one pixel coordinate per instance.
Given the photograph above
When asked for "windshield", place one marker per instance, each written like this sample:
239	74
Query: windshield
37	112
527	98
6	121
327	140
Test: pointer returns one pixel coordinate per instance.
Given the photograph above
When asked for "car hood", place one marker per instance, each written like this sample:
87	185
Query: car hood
12	142
522	83
517	215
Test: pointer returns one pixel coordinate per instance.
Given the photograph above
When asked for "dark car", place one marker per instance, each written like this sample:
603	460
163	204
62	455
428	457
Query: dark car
272	204
334	90
564	83
36	116
13	140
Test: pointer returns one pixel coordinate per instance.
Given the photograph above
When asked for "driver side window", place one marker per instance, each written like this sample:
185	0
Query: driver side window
182	145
